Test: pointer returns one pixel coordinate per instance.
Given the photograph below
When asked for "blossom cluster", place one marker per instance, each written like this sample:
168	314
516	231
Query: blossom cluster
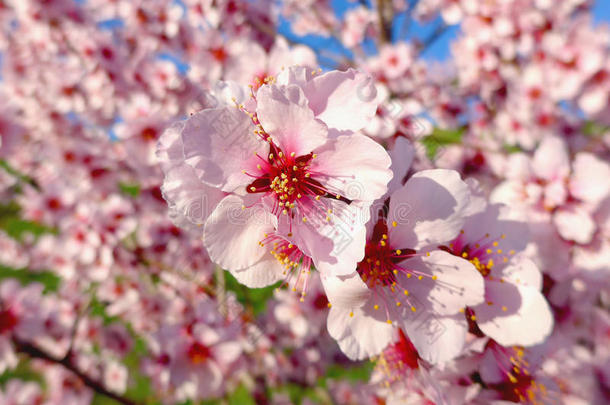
197	207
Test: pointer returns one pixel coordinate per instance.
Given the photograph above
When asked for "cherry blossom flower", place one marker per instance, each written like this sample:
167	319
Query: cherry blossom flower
298	186
405	279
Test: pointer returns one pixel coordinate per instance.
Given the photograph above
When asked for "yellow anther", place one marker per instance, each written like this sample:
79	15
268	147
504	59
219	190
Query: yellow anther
376	307
406	292
413	309
398	251
394	224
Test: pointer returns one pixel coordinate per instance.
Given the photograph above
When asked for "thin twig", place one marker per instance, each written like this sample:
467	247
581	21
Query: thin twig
35	352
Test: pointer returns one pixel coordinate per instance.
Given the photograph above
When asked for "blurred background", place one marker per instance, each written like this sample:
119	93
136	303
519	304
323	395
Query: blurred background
105	298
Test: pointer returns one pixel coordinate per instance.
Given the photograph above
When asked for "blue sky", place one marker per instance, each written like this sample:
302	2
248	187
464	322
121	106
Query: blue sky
440	50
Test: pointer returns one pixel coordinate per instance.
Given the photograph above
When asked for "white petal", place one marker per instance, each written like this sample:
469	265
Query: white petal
232	234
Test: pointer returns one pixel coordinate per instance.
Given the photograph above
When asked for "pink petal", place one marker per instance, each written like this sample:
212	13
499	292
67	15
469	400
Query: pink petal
284	114
266	272
355	166
360	336
429	209
458	284
574	223
590	179
551	160
527	320
220	143
348	292
190	201
343	100
232	235
438	339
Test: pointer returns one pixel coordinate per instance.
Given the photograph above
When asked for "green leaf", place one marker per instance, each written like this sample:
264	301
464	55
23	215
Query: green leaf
16	227
241	396
22	372
16	173
441	137
49	280
358	372
252	298
512	148
132	190
592	128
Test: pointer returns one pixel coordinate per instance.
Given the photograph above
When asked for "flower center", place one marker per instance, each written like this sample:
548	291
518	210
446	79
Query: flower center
289	178
398	359
379	266
295	262
8	321
198	353
521	386
483	253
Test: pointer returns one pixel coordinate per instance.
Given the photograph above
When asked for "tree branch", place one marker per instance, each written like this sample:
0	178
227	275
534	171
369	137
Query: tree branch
385	14
35	352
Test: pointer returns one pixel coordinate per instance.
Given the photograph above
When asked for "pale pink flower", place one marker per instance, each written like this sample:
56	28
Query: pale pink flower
551	185
295	167
514	311
252	65
191	360
396	59
404	279
115	376
18	392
